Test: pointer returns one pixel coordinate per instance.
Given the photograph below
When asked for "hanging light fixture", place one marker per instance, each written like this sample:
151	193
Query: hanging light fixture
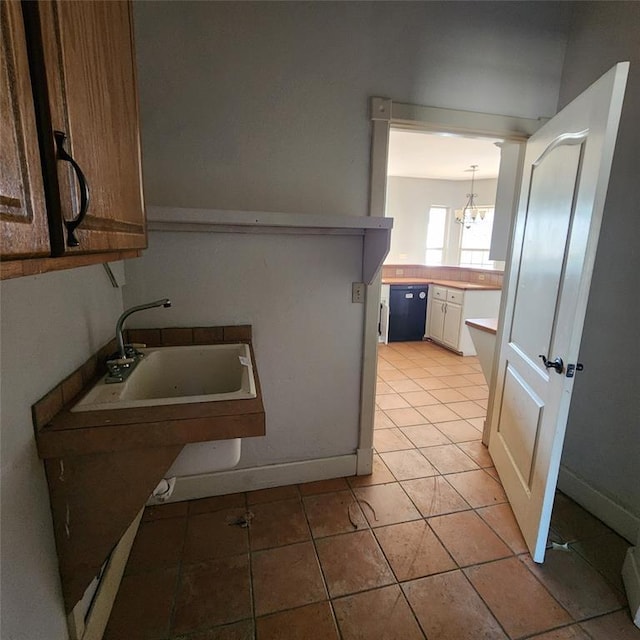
470	212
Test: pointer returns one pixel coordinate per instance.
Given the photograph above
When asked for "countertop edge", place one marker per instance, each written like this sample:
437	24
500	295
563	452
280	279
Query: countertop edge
450	284
489	325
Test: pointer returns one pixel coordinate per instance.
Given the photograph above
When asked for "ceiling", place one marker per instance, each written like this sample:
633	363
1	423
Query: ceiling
441	156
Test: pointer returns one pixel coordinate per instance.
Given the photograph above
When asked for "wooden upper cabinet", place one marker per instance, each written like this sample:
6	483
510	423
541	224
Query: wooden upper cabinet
23	214
88	80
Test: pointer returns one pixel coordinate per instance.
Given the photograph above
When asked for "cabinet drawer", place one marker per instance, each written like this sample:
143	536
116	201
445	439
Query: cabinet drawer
438	293
455	295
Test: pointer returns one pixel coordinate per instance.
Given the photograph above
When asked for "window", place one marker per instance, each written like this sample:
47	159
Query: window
476	241
436	231
451	243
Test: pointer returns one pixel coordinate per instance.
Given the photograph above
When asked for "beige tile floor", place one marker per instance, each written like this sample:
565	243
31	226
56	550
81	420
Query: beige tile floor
425	547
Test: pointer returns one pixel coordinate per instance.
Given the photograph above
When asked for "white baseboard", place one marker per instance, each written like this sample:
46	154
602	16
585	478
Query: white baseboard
631	577
612	514
275	475
92	628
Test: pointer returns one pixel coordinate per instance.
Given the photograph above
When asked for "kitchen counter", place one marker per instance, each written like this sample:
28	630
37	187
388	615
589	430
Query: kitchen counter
483	333
451	284
489	325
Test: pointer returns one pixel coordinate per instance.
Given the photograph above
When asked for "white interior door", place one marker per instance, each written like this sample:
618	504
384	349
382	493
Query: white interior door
565	177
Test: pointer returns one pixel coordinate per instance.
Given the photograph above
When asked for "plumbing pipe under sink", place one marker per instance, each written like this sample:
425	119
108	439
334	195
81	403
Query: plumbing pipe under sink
206	457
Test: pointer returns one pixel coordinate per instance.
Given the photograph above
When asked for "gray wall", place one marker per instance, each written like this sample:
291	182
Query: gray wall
602	444
50	325
264	106
296	293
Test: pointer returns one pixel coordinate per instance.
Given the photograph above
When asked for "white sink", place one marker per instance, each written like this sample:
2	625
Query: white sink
178	375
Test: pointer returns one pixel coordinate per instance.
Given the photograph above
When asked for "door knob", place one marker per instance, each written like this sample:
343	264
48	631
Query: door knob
556	364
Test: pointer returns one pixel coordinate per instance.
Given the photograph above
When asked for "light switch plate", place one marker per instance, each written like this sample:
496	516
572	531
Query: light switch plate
357	292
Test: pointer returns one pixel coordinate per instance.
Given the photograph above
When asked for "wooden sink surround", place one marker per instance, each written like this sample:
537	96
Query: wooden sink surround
102	466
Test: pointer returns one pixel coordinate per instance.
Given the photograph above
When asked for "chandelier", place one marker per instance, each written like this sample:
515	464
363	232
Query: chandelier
470	212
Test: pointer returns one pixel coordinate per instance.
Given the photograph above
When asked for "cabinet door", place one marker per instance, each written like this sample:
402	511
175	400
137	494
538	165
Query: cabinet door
452	319
89	83
436	319
23	216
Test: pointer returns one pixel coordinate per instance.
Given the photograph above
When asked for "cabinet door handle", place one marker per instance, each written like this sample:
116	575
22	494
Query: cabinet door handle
72	225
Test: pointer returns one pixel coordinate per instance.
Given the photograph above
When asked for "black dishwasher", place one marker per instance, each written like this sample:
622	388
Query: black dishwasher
407	312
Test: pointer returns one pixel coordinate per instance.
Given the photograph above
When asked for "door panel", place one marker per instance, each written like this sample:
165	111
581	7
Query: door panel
23	214
436	319
452	319
520	418
566	171
553	183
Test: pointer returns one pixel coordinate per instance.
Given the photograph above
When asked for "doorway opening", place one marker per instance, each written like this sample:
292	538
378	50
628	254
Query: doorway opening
441	193
555	194
385	115
429	182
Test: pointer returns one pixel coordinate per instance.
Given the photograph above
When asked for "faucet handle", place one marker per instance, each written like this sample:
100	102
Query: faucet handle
137	345
131	351
118	368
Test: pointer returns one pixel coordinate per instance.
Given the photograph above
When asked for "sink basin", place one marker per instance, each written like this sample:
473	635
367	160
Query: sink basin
178	375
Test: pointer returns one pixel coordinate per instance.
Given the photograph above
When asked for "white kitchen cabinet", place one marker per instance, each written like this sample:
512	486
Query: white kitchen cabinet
449	307
435	320
452	325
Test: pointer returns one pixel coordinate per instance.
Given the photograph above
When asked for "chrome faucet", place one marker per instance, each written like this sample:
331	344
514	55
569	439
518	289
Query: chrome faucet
123	362
165	302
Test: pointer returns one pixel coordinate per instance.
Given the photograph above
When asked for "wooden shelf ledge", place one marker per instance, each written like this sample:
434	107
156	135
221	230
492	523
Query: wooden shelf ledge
375	230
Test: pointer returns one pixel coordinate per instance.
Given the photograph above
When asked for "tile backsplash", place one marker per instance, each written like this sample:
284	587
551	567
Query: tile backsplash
477	276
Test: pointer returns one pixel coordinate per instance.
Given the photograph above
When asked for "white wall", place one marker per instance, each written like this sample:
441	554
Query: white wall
296	293
50	325
264	105
409	201
602	444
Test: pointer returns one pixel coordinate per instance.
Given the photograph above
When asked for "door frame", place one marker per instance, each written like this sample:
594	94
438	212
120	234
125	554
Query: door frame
385	114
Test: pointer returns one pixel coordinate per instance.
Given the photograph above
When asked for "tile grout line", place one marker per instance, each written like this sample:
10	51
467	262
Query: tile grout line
322	574
536	634
178	576
195	632
399	582
250	554
575	620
